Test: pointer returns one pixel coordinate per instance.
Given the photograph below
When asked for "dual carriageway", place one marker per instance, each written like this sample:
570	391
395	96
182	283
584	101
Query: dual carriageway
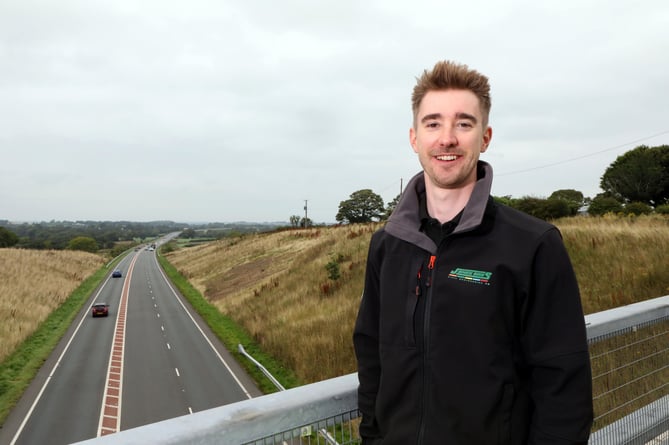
151	359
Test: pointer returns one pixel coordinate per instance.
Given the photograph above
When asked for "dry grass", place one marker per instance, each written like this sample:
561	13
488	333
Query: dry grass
277	287
618	260
32	284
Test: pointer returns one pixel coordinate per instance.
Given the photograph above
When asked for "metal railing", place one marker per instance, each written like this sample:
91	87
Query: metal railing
629	352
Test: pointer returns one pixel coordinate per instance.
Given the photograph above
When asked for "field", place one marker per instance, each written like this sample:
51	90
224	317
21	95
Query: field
32	284
278	285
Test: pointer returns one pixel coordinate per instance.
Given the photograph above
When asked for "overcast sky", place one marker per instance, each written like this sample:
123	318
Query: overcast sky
230	110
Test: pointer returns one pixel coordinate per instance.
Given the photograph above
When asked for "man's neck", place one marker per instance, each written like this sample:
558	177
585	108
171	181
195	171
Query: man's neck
445	204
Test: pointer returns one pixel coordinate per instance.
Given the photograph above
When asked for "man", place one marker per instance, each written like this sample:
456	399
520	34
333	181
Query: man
470	329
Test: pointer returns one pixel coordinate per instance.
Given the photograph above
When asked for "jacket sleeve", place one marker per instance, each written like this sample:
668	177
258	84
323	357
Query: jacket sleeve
556	349
366	345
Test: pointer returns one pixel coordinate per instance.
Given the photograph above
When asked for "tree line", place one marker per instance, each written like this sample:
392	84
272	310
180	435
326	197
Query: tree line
93	236
637	182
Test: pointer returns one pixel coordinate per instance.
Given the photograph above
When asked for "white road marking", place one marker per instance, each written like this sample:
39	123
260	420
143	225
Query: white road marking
241	385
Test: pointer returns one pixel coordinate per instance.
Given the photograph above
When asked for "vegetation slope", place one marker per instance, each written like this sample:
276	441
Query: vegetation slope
297	291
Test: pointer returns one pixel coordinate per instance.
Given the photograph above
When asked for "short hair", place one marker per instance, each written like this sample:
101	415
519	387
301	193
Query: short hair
448	75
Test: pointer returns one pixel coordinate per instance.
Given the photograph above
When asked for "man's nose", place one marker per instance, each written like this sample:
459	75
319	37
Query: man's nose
447	137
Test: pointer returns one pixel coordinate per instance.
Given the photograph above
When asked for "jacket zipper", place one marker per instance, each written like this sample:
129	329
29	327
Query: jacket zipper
426	344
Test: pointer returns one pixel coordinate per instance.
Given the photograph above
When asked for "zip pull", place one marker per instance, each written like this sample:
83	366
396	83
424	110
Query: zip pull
430	266
418	275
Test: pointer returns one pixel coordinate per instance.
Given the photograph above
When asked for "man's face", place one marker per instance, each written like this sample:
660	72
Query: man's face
448	137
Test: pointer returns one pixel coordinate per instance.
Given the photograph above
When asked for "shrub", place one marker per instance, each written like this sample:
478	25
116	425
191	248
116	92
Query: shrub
638	208
601	205
333	270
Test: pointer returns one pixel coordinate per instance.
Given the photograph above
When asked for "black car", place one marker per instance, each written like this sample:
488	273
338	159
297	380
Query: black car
117	274
100	310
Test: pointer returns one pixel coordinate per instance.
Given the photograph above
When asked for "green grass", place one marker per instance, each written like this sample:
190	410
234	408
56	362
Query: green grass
232	335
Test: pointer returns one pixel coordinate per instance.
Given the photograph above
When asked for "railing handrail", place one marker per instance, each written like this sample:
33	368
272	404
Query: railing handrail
613	320
249	419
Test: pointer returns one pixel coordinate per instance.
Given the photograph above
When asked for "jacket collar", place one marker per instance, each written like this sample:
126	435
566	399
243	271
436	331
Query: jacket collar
404	223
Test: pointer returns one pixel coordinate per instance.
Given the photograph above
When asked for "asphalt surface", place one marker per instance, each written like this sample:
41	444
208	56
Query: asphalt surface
172	365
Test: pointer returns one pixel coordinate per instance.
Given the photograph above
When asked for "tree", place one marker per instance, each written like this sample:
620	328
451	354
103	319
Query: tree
306	222
573	198
85	243
363	206
602	204
8	238
639	175
188	234
545	209
391	206
294	220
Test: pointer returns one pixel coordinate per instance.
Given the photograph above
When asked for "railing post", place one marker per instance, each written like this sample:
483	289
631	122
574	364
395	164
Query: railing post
261	367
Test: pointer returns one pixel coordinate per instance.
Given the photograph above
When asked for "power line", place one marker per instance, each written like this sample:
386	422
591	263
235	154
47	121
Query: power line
583	156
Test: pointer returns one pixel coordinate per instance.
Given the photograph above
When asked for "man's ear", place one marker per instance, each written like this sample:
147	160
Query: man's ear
412	139
487	136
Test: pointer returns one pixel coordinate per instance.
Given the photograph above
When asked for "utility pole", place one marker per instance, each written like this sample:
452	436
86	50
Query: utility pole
306	220
401	179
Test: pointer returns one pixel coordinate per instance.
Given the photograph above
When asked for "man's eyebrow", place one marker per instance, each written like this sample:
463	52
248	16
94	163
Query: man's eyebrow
466	116
431	117
438	116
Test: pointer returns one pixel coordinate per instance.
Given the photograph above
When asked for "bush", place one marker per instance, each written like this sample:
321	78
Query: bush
546	209
601	205
638	208
662	209
85	243
333	270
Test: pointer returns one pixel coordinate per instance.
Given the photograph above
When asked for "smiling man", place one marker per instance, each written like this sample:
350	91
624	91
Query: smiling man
470	329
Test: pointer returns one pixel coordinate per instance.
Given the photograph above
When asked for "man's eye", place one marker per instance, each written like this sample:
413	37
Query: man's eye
465	124
432	125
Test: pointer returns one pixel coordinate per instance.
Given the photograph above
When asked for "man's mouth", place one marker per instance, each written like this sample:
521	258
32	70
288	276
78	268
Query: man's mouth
447	157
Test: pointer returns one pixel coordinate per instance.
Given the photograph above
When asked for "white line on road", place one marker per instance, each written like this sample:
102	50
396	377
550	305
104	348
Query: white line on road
211	345
177	370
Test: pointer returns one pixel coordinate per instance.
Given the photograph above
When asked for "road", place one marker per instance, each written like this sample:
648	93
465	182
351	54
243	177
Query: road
151	359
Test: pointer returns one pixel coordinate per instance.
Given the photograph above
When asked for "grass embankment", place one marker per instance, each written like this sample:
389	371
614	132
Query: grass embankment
277	287
231	334
40	294
618	260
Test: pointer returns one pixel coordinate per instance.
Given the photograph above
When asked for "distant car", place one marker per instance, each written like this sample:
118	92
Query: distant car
100	310
117	274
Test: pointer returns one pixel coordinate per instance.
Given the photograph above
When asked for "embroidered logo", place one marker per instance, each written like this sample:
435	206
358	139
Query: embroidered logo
471	276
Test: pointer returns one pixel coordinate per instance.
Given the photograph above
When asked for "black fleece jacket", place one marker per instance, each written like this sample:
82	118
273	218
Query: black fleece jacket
480	340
